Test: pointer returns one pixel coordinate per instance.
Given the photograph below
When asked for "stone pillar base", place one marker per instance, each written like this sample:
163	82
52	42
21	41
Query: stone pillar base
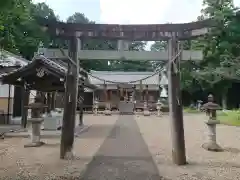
211	144
107	112
146	113
212	147
35	132
34	144
69	155
95	112
159	113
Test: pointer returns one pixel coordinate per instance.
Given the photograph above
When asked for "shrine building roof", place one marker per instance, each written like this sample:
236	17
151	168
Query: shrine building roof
44	75
125	77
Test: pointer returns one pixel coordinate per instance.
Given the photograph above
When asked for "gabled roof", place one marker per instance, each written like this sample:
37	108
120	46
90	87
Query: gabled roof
43	74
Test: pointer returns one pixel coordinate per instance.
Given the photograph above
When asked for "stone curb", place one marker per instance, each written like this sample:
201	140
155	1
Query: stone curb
44	134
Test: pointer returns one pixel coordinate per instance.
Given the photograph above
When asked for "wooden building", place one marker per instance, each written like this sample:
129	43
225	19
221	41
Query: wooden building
44	75
117	88
10	95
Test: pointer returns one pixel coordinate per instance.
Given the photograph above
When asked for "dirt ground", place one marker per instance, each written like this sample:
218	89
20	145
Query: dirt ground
44	162
202	164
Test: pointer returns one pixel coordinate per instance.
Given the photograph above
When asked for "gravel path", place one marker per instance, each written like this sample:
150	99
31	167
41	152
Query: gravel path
43	163
123	155
127	147
203	165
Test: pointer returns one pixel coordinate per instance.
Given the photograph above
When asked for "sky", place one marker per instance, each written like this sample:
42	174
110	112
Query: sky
130	11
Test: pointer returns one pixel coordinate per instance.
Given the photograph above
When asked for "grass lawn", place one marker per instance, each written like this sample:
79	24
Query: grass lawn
190	110
231	118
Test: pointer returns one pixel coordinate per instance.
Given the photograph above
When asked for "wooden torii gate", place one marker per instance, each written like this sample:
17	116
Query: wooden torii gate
173	33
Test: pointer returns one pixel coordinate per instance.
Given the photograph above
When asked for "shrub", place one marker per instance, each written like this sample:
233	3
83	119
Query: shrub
229	117
190	110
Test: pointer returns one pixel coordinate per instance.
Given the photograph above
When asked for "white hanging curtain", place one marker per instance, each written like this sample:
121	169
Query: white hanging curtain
163	93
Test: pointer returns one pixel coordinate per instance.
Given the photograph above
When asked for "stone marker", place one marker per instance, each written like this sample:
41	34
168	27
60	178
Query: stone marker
95	108
146	111
107	111
159	106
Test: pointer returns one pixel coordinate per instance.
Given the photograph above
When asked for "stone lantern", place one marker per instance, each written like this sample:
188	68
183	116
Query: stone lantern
36	121
107	111
159	106
199	104
146	111
95	107
211	111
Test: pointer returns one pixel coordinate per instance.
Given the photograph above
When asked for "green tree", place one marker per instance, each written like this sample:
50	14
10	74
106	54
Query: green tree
221	47
21	33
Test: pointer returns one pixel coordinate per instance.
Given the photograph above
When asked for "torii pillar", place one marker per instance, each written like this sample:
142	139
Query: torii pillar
175	104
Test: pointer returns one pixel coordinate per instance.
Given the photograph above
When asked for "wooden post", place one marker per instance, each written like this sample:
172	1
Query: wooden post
141	92
49	100
121	94
110	95
81	101
134	93
25	102
175	105
146	94
110	98
53	101
126	95
105	94
69	116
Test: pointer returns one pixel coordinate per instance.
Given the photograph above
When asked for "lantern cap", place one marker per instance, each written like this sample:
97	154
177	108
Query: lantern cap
210	105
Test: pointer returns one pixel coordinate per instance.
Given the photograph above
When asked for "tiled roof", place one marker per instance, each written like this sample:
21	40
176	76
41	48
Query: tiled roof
54	67
125	77
8	59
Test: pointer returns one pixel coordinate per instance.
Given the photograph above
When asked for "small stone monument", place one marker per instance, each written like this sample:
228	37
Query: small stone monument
159	106
199	104
95	107
210	107
36	121
146	111
107	111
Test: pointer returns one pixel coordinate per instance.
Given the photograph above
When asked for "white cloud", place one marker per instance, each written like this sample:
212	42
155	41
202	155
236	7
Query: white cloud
133	11
150	11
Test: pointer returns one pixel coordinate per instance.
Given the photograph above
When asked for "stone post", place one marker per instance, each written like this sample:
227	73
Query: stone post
159	106
146	94
134	96
36	121
210	107
146	111
53	102
107	111
199	104
95	107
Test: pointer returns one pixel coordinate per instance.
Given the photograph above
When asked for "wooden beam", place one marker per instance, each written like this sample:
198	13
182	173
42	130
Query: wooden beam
25	102
123	55
149	32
